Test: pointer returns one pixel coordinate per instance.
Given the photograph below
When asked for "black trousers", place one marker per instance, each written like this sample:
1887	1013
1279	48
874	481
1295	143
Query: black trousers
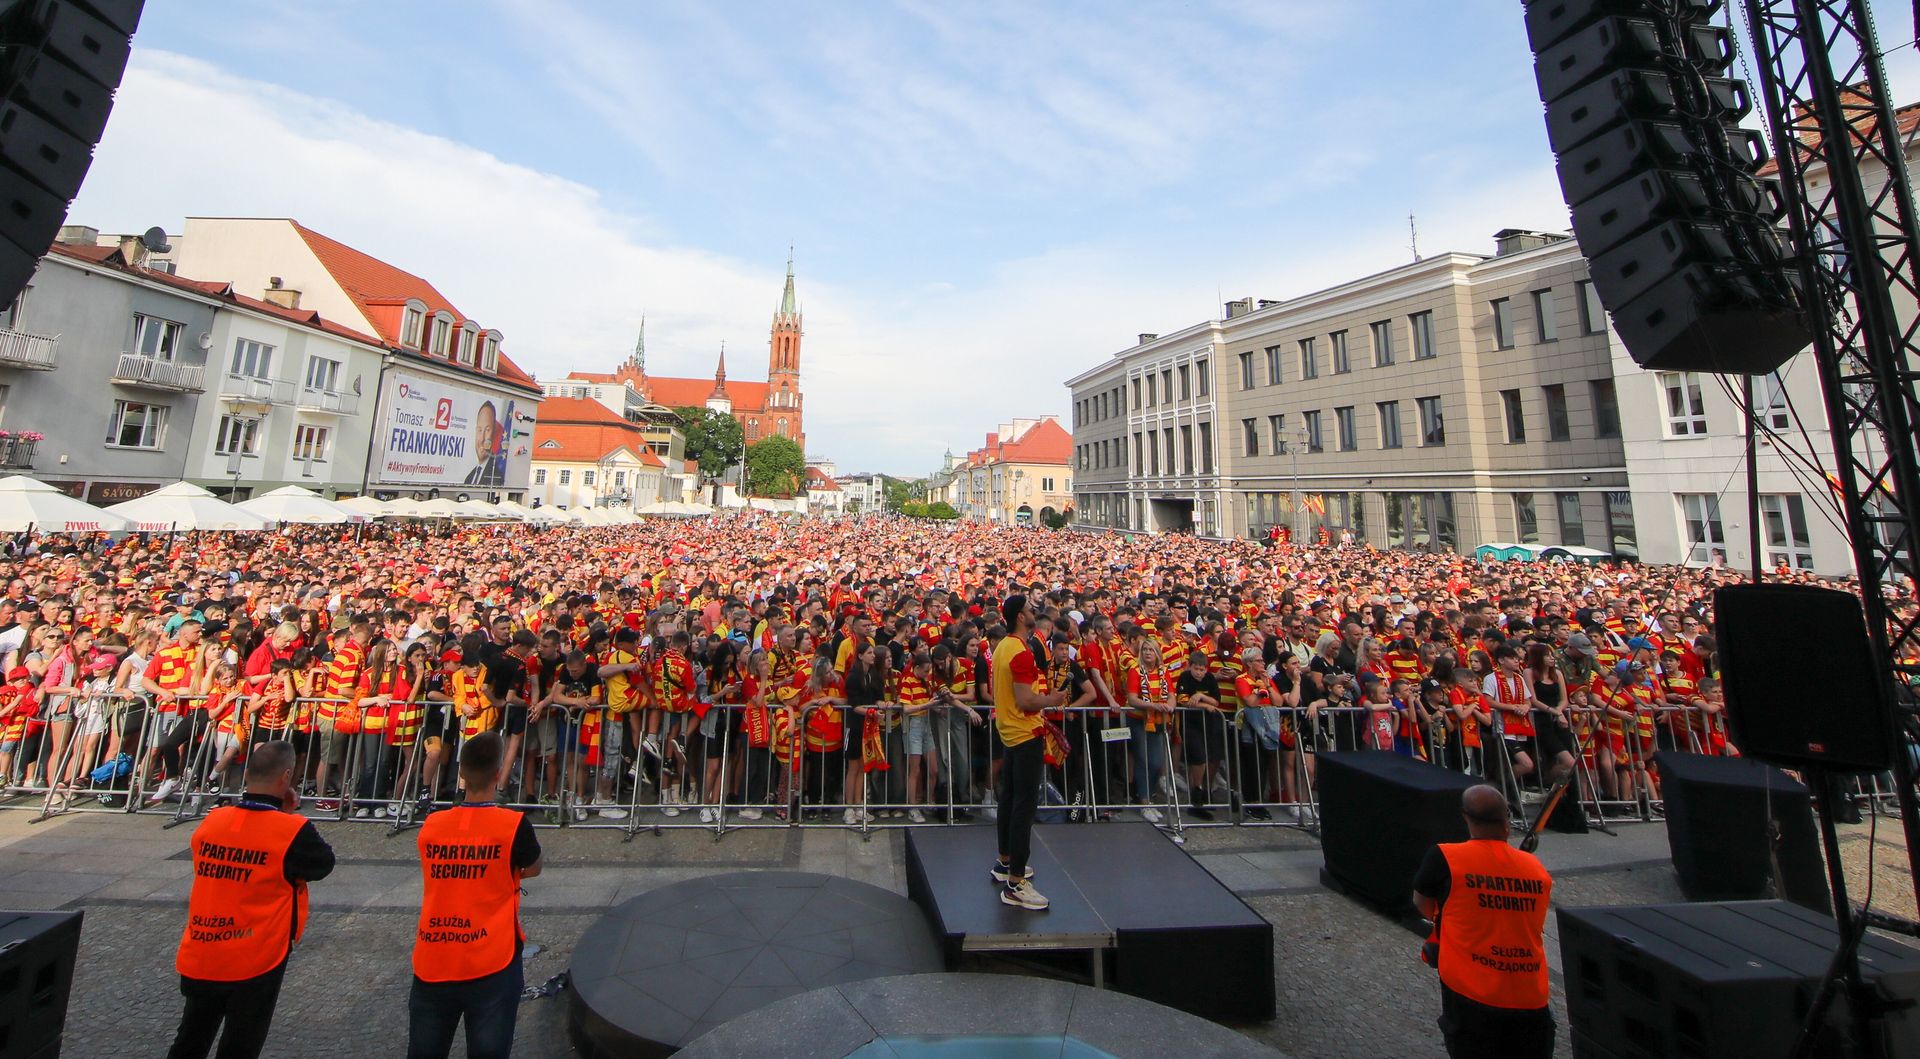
1475	1031
246	1008
1020	774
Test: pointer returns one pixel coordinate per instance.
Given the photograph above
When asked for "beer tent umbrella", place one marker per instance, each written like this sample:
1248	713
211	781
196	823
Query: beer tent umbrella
480	509
294	504
186	507
364	505
27	503
438	507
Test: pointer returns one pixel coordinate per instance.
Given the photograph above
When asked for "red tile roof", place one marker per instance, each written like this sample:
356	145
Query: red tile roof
819	479
583	431
1045	442
693	393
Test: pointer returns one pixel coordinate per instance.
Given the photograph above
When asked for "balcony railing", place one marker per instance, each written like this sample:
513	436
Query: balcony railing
332	401
18	349
255	388
135	369
16	453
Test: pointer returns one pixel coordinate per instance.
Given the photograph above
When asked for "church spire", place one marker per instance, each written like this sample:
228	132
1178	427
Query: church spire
787	305
720	374
640	348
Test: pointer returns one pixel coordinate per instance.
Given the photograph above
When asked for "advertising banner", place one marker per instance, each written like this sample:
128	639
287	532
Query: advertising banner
434	433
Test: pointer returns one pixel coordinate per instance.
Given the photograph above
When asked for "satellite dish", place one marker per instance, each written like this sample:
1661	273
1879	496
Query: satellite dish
205	341
155	240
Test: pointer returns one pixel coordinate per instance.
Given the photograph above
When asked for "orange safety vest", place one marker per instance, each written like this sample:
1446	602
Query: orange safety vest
1491	947
243	916
470	912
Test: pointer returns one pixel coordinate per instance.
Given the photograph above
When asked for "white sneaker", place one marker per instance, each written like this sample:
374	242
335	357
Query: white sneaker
164	791
851	816
612	812
579	813
362	813
393	809
708	814
916	816
1023	895
1149	814
751	812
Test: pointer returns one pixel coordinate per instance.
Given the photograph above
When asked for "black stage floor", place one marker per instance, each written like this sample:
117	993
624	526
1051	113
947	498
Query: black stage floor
1155	923
671	964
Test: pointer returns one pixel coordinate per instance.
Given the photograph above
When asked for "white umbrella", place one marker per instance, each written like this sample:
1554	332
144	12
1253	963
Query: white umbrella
438	507
291	503
185	506
544	516
682	507
364	505
659	507
478	509
26	502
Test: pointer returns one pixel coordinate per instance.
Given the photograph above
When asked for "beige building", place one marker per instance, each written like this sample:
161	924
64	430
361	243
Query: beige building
1455	401
1021	476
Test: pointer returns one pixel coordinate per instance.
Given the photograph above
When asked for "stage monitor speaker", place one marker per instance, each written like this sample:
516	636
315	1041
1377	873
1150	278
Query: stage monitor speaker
37	951
60	61
1378	814
1718	811
1716	981
1798	674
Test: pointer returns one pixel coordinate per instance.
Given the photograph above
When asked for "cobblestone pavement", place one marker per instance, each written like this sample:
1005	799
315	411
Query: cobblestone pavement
1348	980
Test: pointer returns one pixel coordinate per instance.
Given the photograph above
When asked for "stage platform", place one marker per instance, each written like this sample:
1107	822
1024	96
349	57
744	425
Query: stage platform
1153	922
673	963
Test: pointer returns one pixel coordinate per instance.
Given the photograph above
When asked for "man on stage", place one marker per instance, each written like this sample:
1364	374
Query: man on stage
1017	703
1488	904
251	866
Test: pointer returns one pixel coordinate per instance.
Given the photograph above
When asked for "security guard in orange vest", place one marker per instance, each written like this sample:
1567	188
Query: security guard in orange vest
466	949
251	866
1488	903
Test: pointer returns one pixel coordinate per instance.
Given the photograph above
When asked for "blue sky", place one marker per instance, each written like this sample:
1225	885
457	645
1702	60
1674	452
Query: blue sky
984	198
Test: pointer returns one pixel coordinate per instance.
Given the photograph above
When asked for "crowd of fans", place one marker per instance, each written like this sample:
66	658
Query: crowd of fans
769	664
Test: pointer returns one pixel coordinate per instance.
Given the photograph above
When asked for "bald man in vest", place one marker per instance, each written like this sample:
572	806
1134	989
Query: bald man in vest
1488	903
251	866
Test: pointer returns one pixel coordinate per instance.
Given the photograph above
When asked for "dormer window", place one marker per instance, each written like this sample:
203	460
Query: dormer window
413	324
442	334
490	351
469	335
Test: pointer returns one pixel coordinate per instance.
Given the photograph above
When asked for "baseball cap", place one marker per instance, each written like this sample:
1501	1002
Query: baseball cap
102	664
1430	685
1189	629
1640	643
1580	642
19	673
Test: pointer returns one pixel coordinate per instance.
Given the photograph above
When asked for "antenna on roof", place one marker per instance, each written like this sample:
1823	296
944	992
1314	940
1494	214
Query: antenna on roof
155	240
1413	236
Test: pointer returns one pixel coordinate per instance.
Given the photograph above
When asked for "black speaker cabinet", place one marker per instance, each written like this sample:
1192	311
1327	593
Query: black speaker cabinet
37	950
1717	813
1378	814
1706	981
1798	674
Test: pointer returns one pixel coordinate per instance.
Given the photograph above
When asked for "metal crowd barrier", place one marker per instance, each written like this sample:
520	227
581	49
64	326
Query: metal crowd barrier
654	770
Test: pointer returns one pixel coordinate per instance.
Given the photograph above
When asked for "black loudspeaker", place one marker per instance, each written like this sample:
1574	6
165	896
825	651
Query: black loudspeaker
1677	227
1379	812
1798	673
37	950
60	61
1708	981
1718	809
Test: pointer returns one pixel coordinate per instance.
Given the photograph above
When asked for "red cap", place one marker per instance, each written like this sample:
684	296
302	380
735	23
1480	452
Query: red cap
19	673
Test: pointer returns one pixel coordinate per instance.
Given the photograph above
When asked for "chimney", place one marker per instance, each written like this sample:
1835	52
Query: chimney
1147	336
1514	240
284	297
132	250
78	235
1238	307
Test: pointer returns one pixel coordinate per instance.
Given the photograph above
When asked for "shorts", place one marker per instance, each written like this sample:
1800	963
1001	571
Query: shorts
1518	744
1203	737
10	746
918	735
333	744
516	719
60	708
92	716
224	744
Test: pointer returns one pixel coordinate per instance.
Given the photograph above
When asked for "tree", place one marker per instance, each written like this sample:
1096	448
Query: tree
713	438
776	467
941	509
900	491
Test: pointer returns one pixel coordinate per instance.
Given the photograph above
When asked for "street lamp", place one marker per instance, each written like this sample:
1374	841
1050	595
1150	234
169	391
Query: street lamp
1299	440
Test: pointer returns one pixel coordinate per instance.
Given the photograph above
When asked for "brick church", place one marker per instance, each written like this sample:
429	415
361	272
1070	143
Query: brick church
764	409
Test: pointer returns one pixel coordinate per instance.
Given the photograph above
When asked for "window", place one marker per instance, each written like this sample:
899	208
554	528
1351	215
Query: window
1526	523
1153	451
1514	416
1433	428
1686	409
251	359
1273	365
1593	318
310	443
1206	448
156	338
1785	519
442	335
323	374
413	325
1312	420
1136	394
780	427
1337	348
1620	532
539	476
1343	424
1573	529
490	353
1200	369
1167	436
1246	371
1309	362
1046	485
1186	384
1166	385
1770	403
1421	324
466	345
1382	332
586	477
566	476
1250	437
619	479
1139	459
1186	450
1700	514
237	434
1389	424
1153	396
1543	315
1559	428
137	426
1503	323
1606	409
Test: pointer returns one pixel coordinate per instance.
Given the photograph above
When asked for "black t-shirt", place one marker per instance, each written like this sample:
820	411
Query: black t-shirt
506	675
1434	878
1327	670
581	686
526	846
1189	685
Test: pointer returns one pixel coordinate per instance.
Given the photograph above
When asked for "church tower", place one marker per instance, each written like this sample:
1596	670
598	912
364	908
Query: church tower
783	367
719	400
